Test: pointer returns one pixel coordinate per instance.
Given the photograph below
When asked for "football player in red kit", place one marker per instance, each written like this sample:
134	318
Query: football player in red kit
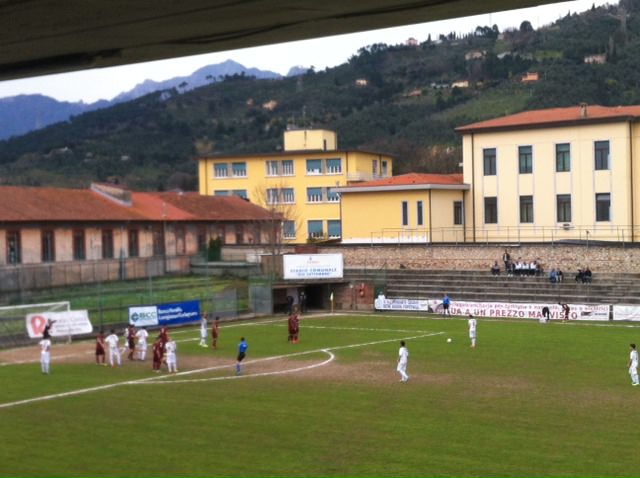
215	332
100	355
131	341
158	348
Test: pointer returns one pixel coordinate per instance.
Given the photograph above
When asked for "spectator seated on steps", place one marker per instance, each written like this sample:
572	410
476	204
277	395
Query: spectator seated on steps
553	276
495	269
579	276
586	275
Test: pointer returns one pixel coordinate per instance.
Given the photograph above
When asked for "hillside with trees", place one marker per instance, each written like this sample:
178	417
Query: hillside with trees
401	99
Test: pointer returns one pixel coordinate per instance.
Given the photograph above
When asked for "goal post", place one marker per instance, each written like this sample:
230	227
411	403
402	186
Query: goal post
12	320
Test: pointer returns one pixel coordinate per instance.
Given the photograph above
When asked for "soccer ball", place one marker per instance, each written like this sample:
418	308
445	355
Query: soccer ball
449	340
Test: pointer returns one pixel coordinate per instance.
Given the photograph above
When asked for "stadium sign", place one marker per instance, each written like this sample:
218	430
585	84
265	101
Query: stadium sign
70	322
312	266
505	310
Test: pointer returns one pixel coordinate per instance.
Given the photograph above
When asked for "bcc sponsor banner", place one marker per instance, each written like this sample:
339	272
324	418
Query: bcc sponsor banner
143	316
179	312
71	322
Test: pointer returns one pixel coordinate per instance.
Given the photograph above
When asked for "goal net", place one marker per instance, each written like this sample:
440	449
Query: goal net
13	330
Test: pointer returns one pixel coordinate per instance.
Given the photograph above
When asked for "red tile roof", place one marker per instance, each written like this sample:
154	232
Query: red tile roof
556	117
413	178
25	204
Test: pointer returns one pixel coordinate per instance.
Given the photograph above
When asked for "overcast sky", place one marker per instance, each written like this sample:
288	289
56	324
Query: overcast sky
105	83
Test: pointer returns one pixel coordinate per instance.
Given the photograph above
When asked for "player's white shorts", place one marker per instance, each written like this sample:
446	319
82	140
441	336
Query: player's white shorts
45	357
472	335
402	366
633	370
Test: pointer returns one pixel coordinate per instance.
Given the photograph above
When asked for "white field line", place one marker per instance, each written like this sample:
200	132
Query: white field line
235	377
207	369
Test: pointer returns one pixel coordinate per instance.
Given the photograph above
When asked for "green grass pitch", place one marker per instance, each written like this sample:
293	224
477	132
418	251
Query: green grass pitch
530	400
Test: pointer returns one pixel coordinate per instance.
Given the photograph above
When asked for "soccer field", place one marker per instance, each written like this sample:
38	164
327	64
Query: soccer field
530	400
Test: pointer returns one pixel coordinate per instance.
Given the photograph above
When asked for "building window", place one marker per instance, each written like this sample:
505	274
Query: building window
202	238
315	229
239	170
314	166
158	240
220	170
272	168
491	210
48	246
220	192
525	159
332	196
239	234
405	213
563	157
289	229
563	206
374	167
14	248
489	161
601	153
288	196
334	227
603	207
384	169
526	209
241	193
419	214
457	213
79	248
107	244
134	243
314	194
287	167
181	239
273	196
334	166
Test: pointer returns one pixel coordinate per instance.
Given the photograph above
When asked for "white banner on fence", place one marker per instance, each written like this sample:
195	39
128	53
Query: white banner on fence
312	266
143	316
496	309
71	322
626	312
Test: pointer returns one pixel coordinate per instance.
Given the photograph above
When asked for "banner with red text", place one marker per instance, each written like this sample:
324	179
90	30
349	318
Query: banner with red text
64	324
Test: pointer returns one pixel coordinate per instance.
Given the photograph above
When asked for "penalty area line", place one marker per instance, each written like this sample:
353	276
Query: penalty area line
190	372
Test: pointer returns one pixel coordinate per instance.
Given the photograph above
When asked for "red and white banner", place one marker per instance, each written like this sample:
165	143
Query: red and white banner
497	309
626	312
71	322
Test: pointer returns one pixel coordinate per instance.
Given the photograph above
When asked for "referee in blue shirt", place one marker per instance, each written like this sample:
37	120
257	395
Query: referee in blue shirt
242	352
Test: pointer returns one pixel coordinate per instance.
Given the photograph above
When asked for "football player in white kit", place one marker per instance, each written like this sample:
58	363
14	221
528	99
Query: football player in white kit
472	330
403	358
45	355
141	346
170	353
633	365
114	350
204	323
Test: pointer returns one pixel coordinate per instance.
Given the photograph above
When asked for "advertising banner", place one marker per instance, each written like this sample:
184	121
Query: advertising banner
70	322
312	266
626	312
143	316
179	312
496	309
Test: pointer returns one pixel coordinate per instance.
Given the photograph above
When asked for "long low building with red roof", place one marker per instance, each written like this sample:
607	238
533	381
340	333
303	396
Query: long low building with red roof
122	231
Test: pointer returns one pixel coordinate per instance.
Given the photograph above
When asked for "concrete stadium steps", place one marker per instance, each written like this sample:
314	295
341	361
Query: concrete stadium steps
482	286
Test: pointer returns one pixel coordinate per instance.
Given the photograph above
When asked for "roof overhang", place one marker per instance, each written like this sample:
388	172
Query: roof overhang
399	187
47	36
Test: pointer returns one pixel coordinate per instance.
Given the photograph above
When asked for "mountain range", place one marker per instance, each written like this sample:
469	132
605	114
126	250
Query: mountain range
23	113
405	100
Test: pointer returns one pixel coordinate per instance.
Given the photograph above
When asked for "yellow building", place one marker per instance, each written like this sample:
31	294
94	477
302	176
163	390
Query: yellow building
554	174
297	182
410	208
